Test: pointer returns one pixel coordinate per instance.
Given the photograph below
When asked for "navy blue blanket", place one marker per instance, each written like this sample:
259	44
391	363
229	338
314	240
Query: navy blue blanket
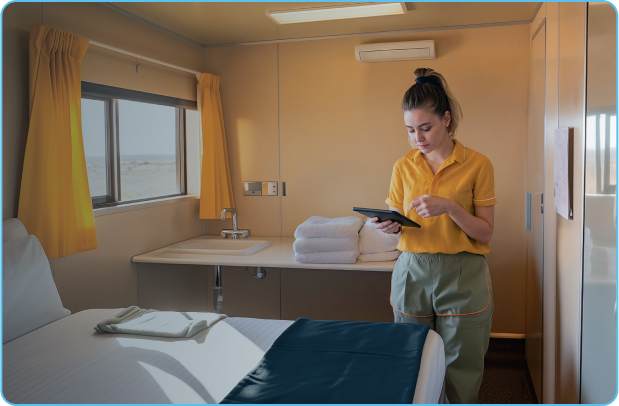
337	362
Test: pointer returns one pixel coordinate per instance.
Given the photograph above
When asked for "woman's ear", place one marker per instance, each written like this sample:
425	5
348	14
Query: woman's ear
447	118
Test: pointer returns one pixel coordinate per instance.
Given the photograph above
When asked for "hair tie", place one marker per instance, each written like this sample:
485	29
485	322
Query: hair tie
423	79
433	80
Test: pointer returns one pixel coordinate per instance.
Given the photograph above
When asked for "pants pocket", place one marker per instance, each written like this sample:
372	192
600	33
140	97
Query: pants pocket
464	288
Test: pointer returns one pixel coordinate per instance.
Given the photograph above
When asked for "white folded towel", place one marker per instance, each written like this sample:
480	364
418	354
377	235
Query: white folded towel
380	256
307	245
339	227
134	320
372	240
338	257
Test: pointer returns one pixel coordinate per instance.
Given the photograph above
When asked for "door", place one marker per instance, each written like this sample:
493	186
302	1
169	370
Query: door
535	187
598	375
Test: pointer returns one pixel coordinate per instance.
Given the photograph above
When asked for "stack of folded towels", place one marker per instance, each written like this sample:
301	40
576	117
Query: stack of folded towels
374	245
322	240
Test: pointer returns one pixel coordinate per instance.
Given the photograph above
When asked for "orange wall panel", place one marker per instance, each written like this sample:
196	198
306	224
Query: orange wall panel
341	130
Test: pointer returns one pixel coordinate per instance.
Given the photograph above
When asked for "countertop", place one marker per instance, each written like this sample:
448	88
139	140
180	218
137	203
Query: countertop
279	255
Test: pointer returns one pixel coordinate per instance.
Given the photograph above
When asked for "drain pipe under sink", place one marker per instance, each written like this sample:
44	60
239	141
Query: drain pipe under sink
218	297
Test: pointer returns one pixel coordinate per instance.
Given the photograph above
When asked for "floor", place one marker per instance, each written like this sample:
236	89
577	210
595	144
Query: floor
506	376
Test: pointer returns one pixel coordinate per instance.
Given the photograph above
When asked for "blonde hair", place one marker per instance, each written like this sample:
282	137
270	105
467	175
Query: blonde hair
431	92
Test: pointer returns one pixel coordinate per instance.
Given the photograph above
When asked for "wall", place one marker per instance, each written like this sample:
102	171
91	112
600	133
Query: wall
104	277
98	23
17	19
249	96
307	113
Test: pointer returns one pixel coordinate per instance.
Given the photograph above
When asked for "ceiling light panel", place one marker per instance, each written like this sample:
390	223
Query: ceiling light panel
352	10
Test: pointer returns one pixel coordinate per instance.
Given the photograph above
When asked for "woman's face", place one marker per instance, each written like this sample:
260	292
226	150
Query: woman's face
426	129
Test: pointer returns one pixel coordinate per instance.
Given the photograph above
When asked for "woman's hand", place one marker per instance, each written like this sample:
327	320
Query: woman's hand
430	206
387	227
478	226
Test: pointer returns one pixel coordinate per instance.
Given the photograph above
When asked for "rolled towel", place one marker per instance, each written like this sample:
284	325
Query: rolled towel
338	257
339	227
307	245
134	320
380	256
372	240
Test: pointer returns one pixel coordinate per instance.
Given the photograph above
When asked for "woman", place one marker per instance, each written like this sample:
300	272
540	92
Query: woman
442	279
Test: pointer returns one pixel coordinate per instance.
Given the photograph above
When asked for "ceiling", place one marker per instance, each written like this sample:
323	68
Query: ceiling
211	23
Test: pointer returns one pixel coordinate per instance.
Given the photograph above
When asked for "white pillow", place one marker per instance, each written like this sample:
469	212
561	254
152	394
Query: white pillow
13	229
29	296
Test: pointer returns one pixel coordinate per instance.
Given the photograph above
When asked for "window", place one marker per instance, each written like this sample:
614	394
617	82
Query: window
134	143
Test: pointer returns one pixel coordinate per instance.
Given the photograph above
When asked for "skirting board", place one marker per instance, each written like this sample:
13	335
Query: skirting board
506	335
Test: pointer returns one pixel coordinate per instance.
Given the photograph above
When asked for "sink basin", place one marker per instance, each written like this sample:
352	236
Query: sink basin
211	246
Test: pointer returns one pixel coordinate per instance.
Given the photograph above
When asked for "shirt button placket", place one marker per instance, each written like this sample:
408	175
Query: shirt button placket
434	185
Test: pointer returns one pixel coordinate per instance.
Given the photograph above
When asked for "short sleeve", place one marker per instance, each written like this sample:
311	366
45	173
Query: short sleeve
483	190
396	190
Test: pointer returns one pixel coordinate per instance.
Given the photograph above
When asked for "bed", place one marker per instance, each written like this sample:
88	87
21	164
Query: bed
66	361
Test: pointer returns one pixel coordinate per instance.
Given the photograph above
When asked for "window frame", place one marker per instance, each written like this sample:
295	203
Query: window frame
110	96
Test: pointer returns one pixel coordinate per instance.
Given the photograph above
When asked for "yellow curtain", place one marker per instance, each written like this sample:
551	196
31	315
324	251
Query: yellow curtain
216	185
54	201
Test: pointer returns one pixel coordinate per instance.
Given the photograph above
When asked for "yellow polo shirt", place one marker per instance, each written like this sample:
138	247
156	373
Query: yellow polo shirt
467	177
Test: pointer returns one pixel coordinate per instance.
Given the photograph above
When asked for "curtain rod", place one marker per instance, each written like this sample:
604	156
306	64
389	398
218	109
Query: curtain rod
122	51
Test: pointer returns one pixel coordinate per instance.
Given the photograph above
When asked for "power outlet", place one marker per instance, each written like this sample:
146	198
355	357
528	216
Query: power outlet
272	188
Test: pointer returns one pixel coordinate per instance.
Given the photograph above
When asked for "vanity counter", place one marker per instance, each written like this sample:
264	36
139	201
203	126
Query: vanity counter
278	255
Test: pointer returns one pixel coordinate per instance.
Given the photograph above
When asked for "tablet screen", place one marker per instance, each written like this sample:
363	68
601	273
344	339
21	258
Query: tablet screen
384	215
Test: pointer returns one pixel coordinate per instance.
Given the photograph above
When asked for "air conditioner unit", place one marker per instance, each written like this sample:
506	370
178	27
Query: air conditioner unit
395	51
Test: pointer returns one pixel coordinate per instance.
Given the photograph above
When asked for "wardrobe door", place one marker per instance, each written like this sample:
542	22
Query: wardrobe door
535	192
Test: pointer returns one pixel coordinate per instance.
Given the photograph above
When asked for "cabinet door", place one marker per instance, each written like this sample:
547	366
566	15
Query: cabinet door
535	186
336	295
245	296
170	287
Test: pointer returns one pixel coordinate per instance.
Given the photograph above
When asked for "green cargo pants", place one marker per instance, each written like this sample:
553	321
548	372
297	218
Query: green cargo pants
452	294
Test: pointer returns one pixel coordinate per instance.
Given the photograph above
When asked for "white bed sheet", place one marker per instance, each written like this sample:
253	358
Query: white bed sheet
68	362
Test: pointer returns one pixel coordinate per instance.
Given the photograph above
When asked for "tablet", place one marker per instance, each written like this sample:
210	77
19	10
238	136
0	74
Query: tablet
384	215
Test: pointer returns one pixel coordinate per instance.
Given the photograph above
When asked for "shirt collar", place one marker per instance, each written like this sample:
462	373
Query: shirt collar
414	155
459	153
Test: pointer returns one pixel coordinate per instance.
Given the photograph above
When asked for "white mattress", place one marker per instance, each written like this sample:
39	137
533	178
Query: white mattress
68	362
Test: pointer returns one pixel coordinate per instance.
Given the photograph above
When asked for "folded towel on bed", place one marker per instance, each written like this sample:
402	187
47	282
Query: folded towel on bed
380	256
372	240
306	245
337	257
149	322
331	362
339	227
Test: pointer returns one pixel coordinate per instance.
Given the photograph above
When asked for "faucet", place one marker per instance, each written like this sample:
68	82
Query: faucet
235	232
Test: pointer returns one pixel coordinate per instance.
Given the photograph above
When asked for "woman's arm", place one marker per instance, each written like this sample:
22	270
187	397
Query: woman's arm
478	227
388	227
